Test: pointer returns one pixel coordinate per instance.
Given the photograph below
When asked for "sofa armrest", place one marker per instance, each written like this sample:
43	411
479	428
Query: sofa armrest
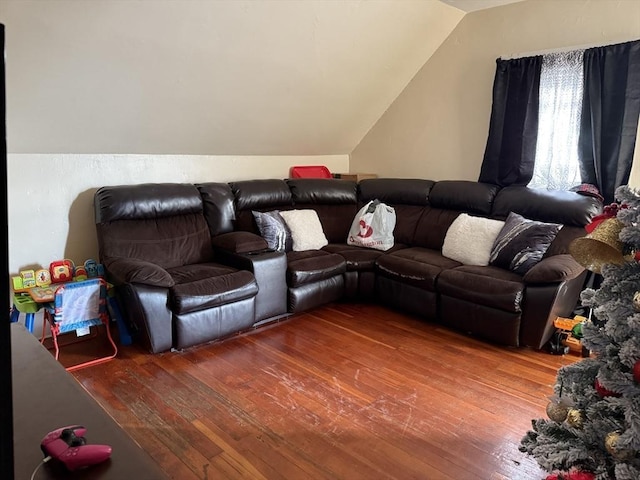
553	269
239	242
269	269
132	270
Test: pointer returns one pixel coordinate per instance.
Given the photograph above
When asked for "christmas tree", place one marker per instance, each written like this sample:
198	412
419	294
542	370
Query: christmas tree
593	430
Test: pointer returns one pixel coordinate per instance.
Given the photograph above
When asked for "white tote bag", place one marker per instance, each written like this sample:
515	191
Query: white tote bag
373	226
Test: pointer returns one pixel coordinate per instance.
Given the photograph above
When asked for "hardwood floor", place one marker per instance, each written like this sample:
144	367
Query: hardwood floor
344	392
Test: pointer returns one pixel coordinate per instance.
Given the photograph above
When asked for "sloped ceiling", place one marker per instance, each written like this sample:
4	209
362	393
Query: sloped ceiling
474	5
210	77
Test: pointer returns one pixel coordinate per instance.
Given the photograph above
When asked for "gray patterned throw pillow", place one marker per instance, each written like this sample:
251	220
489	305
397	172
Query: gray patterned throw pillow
522	243
274	230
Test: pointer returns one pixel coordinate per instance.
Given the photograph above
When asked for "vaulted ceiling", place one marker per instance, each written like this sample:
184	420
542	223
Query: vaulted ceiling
236	77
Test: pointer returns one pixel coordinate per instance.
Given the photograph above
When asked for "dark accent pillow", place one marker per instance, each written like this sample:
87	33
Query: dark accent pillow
521	243
240	242
274	230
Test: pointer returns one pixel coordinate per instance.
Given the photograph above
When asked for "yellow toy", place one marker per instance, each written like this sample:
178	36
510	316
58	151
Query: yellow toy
28	278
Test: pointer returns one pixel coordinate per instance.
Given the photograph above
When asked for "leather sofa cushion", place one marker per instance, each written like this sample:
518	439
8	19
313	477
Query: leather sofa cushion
406	195
261	194
432	227
203	286
147	200
310	266
552	206
311	295
217	204
240	242
557	268
357	258
416	266
132	270
323	191
489	286
407	218
200	327
463	196
167	241
396	191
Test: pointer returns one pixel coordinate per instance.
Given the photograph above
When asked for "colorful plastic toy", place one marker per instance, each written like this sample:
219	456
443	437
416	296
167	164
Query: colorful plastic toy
80	274
17	283
61	271
91	266
43	278
28	278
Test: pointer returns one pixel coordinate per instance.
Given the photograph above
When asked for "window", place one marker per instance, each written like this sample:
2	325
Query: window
605	115
561	85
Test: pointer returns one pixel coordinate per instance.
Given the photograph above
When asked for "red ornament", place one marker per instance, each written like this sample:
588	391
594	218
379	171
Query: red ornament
636	371
604	392
609	211
571	475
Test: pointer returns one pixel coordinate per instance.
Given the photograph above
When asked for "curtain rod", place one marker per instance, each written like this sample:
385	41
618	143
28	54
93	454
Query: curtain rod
546	52
511	56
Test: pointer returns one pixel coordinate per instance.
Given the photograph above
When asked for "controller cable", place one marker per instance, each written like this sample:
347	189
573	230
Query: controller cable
45	460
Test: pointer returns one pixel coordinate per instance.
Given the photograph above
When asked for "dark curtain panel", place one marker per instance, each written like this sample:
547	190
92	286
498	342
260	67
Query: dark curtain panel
513	129
609	115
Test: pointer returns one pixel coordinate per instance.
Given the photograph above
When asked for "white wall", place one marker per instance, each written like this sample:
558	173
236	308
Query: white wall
437	128
51	196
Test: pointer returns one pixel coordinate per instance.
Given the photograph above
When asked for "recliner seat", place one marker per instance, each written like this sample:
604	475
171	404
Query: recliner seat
156	247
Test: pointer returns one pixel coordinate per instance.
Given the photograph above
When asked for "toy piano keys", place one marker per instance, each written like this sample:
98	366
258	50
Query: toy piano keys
43	294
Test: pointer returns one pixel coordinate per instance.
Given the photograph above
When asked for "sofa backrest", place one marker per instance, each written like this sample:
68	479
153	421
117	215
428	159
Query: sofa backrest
395	191
552	206
258	195
171	224
571	209
218	206
448	199
159	223
335	201
408	196
474	198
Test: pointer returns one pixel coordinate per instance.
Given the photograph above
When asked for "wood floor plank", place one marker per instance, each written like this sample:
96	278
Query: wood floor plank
347	391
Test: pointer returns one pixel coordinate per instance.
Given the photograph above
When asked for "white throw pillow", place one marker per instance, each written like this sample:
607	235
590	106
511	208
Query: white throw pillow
306	229
469	239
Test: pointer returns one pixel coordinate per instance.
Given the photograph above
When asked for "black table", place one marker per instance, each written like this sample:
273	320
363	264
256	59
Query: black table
47	397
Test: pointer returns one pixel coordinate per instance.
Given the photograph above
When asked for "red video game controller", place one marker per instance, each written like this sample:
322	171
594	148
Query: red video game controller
68	446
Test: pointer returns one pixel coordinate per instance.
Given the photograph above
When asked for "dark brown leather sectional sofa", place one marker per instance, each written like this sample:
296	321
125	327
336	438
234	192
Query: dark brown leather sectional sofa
190	267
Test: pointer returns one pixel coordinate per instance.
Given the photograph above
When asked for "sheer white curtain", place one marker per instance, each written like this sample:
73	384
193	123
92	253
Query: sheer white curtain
561	86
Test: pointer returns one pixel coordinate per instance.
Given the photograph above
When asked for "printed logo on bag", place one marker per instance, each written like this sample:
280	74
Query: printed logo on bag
365	230
373	226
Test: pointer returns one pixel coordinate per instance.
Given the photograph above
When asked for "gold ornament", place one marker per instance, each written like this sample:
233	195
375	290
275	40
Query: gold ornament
636	301
600	247
557	411
611	444
629	253
574	418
